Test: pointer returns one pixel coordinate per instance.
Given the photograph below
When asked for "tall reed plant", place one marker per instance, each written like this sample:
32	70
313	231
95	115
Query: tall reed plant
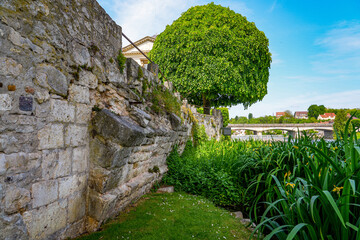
316	196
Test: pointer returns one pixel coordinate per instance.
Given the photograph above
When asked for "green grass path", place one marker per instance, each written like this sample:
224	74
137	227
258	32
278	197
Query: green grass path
175	216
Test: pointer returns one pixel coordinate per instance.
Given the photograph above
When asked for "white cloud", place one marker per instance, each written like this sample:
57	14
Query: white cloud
275	58
341	50
273	6
148	17
343	38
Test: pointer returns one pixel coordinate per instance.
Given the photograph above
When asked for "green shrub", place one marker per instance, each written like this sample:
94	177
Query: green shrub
356	123
121	59
164	101
140	73
225	114
199	134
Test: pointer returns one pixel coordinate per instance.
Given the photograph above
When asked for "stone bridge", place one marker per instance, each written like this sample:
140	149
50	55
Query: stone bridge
292	129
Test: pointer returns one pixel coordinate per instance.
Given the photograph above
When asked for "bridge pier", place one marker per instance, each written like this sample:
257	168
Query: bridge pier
258	133
328	134
293	134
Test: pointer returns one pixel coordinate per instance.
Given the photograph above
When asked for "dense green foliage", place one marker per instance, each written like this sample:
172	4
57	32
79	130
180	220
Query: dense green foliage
270	119
340	121
172	216
301	188
356	123
315	110
353	111
214	57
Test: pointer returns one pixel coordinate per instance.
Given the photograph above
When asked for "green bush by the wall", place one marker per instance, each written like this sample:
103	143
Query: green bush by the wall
224	112
199	134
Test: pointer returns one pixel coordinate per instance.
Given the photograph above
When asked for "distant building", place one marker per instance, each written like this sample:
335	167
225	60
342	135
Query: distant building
349	115
280	114
327	116
301	115
145	45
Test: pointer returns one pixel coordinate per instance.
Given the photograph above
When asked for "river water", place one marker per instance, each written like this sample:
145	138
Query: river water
260	137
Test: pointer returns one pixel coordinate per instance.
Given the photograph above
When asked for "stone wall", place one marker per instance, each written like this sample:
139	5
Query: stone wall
79	138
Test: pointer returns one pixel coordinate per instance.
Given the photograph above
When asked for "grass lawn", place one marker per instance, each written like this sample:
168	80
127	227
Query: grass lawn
177	216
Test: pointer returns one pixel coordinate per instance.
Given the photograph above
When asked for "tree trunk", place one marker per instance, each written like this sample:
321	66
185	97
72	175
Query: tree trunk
206	105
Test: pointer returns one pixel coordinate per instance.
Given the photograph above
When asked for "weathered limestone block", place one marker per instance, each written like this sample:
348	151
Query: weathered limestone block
74	230
98	178
9	67
51	78
16	199
150	134
14	163
139	157
42	96
79	94
44	193
72	184
175	121
76	135
56	163
39	9
61	111
44	221
87	79
20	41
132	70
80	159
81	55
13	227
77	207
103	180
140	116
118	128
83	113
51	136
114	76
154	68
100	205
108	154
139	181
5	102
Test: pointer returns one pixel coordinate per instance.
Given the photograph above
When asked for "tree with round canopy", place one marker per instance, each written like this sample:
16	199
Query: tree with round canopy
214	57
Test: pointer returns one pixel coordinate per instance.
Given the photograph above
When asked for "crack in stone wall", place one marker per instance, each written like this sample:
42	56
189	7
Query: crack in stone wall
78	138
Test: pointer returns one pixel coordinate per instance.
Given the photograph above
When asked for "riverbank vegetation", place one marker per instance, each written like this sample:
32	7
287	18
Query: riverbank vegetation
289	118
298	189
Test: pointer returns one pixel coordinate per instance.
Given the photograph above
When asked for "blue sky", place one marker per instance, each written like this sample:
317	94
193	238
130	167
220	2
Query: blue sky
315	46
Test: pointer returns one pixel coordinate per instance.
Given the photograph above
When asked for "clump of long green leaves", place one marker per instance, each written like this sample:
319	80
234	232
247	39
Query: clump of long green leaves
315	196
